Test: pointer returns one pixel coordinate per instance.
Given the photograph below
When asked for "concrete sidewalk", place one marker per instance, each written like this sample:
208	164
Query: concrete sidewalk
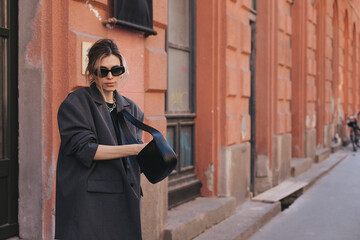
252	215
328	211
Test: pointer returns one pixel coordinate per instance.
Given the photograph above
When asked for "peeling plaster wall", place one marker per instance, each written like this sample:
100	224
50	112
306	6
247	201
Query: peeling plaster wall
209	173
30	120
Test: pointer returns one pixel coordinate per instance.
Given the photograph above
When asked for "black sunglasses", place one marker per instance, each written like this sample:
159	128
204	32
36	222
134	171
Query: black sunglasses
115	71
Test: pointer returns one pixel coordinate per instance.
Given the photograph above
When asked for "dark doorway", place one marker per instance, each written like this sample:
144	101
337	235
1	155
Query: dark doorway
8	119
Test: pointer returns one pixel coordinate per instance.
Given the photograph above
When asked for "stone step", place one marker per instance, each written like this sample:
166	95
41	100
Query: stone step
321	154
301	182
300	165
247	219
336	147
192	218
281	191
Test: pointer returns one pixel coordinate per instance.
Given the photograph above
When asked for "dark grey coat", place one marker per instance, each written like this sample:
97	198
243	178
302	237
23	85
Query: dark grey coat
95	199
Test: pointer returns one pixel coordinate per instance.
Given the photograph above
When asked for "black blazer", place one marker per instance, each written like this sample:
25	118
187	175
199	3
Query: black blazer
95	199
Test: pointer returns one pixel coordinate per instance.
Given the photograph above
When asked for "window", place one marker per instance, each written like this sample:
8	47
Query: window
136	14
180	99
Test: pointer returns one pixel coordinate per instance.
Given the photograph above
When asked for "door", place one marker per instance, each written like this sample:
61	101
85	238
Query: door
8	120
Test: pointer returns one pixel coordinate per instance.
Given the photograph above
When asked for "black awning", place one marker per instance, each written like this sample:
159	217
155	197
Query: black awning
135	14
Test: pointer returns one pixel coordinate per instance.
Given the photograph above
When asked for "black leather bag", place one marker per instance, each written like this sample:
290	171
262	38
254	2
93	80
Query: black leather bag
157	159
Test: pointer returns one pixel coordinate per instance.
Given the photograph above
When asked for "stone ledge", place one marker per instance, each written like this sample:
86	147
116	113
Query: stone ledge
336	147
248	218
321	154
300	165
190	219
303	181
281	191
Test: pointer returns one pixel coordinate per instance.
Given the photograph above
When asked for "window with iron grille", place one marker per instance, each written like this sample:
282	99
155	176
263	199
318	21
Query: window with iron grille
135	14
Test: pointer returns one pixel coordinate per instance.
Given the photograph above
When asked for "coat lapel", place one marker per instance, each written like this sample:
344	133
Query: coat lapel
99	100
121	102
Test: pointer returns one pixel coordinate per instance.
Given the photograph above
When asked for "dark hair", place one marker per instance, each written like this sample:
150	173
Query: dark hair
102	48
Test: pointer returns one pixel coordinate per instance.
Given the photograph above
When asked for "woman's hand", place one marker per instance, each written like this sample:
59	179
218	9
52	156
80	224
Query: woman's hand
140	147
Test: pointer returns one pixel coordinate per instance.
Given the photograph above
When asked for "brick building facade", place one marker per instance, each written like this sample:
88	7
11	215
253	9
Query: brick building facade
240	88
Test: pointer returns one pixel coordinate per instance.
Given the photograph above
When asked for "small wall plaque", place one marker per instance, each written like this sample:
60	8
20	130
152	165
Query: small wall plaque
84	55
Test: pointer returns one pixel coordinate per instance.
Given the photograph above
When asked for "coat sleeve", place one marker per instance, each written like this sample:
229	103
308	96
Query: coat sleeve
77	137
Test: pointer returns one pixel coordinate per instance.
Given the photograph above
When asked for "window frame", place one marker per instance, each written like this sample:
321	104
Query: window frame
183	184
185	117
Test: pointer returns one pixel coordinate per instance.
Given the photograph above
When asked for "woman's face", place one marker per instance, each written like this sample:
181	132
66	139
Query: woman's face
109	82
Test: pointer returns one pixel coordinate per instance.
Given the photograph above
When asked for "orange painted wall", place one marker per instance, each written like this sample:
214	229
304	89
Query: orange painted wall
347	83
266	77
284	67
311	96
332	57
330	76
64	25
223	83
237	54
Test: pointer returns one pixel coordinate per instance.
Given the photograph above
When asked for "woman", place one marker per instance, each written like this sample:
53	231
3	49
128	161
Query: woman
98	179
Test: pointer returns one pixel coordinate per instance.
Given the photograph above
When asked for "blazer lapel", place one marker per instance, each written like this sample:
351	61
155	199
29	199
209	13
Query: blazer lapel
99	100
122	103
